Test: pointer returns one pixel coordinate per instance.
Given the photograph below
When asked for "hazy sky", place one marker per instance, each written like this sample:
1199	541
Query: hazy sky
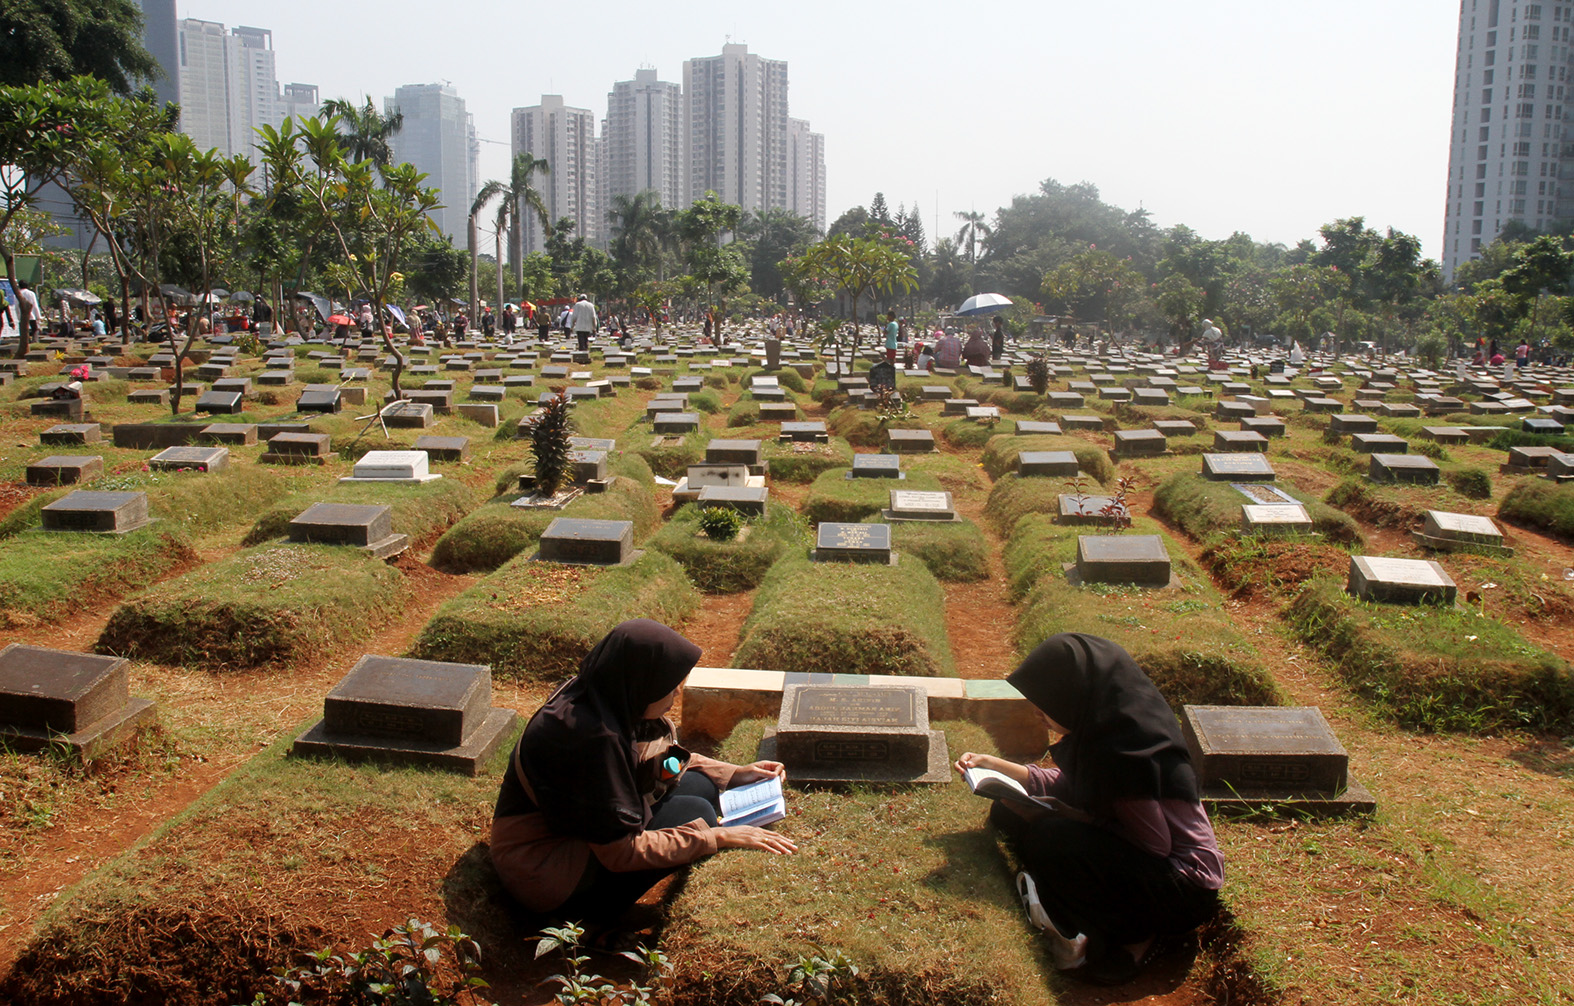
1255	115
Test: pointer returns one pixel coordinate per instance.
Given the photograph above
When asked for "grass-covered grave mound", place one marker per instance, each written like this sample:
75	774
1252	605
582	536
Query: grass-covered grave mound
46	575
670	454
1434	667
269	606
847	618
1001	450
495	532
954	551
909	884
1542	504
537	620
839	499
804	461
725	567
1014	497
1204	509
201	911
1182	637
866	427
421	510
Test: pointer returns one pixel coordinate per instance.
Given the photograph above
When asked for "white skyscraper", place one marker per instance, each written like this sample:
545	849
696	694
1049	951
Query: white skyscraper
253	88
735	141
644	138
1512	97
438	137
299	101
806	158
229	87
204	84
565	138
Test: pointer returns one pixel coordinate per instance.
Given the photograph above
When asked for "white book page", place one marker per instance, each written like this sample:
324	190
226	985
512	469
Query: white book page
976	777
741	799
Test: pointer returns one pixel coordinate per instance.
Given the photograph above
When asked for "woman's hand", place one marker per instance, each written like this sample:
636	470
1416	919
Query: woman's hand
757	771
972	760
746	836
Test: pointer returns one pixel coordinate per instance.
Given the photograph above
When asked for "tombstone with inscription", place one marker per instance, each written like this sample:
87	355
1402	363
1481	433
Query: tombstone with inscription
699	477
413	712
857	733
295	448
367	527
1448	532
1138	559
1047	463
580	542
319	398
406	415
190	459
1253	757
81	700
909	441
854	543
1400	581
64	469
1248	467
392	466
1275	518
101	513
876	466
925	506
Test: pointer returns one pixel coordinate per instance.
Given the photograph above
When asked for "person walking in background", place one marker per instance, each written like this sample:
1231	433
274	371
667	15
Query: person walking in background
892	331
583	322
997	344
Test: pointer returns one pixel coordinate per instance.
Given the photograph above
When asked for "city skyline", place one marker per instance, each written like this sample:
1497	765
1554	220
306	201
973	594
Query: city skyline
1222	115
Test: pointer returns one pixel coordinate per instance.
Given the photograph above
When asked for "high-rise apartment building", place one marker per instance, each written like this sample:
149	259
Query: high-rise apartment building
253	88
161	36
205	84
565	138
806	160
1513	97
439	138
643	133
735	141
228	85
299	101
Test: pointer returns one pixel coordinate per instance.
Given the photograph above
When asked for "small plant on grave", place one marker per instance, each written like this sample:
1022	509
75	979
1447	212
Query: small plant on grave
820	976
889	405
720	523
1038	374
1115	514
406	967
549	444
581	988
1076	485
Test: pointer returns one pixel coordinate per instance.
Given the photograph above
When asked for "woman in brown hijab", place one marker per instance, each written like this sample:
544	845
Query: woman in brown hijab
599	802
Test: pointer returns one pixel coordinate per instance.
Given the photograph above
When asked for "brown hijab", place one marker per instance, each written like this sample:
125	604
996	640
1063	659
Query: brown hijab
578	751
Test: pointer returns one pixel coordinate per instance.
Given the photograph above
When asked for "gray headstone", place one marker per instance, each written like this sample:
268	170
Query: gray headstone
878	733
700	476
191	459
741	452
1248	756
876	466
749	500
228	434
50	696
446	449
1249	467
71	434
1416	468
319	398
1028	428
1050	463
1375	578
909	441
108	513
853	543
909	504
577	541
64	469
1139	559
1274	518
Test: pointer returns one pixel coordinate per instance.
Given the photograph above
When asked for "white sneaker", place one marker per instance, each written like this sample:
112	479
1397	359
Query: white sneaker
1065	954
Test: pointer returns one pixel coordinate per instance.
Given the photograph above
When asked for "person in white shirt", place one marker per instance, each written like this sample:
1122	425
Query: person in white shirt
583	322
28	315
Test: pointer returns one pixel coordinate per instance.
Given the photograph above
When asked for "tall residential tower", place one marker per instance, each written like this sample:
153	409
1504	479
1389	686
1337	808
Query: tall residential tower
565	138
439	138
735	143
644	138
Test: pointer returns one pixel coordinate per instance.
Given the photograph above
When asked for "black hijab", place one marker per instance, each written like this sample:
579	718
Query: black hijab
578	749
1122	739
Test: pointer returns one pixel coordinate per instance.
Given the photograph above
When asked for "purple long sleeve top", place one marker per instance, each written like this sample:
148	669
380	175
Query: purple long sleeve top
1174	830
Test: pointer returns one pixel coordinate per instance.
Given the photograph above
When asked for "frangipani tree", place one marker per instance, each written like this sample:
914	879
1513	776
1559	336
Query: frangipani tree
859	267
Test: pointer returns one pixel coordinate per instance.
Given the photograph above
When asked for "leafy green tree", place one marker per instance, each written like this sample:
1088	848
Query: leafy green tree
364	132
859	267
1181	304
641	229
854	222
716	267
1095	285
949	274
974	231
1540	268
770	237
438	270
51	41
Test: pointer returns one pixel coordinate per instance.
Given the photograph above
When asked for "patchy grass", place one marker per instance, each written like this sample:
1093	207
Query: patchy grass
262	607
804	462
849	618
726	567
1541	503
1000	453
1183	638
909	884
47	575
537	620
835	497
1205	509
422	510
954	551
866	428
1431	667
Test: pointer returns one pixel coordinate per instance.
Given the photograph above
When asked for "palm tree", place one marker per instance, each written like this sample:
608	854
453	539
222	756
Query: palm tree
640	231
517	194
973	231
364	132
490	191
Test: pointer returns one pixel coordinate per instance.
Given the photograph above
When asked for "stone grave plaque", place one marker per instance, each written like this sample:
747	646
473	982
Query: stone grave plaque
854	543
909	441
105	513
592	444
1378	443
1448	531
1139	559
1232	410
1550	427
577	541
1404	581
1051	463
983	413
1093	423
934	392
227	434
1139	443
1083	509
71	434
1275	518
876	466
64	470
1239	441
481	413
1347	423
419	712
1561	467
450	449
735	452
778	412
363	526
916	505
1445	434
810	431
1287	757
275	378
587	466
191	459
296	448
1028	428
1248	467
1416	468
850	733
319	398
1268	426
957	406
749	500
392	466
1175	427
1530	456
221	402
407	415
52	696
700	476
677	422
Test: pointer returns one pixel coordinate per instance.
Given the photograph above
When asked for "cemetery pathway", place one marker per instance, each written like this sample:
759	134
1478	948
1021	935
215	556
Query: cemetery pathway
980	618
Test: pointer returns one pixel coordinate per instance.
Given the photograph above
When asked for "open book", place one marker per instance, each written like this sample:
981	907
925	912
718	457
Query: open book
986	782
757	803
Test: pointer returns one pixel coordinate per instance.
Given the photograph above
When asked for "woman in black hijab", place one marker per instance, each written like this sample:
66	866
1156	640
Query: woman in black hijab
599	802
1133	856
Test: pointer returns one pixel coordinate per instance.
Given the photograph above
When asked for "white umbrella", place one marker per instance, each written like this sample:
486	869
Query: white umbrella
984	303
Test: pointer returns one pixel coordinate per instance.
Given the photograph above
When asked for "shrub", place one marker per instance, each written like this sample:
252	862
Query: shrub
720	523
725	567
549	444
1542	504
1471	482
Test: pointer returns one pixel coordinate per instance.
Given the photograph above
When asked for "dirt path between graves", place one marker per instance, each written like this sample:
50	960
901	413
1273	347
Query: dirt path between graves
89	833
980	618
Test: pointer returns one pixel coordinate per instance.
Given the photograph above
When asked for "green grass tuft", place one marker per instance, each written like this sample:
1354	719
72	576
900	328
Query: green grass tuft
1541	503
